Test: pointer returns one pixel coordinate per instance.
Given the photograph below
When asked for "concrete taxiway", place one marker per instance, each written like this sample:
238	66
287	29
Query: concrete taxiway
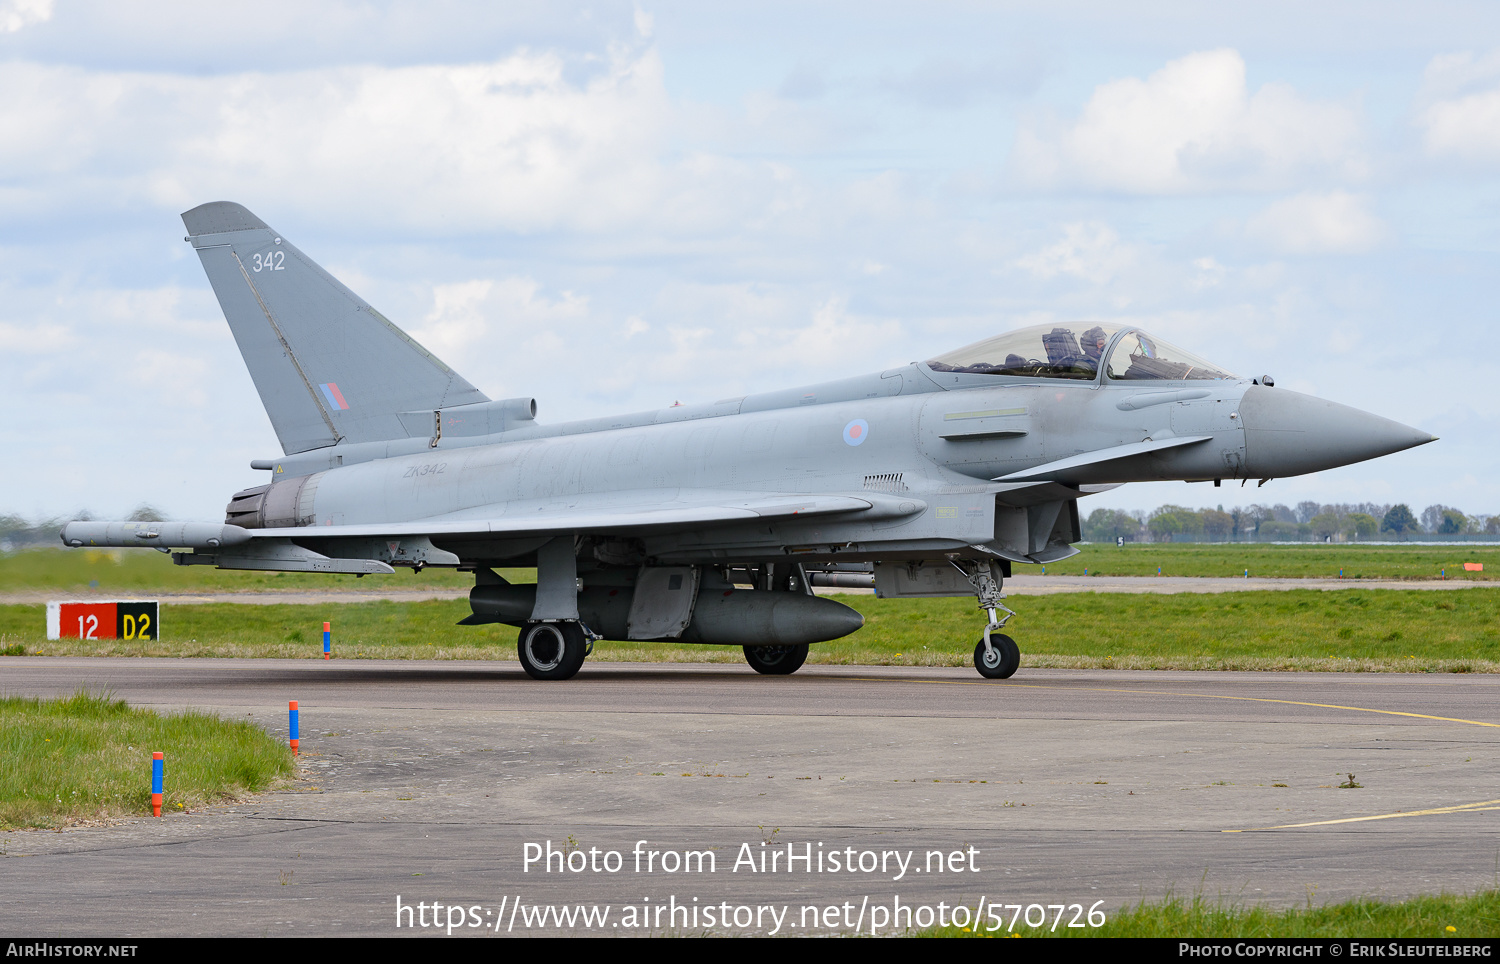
424	782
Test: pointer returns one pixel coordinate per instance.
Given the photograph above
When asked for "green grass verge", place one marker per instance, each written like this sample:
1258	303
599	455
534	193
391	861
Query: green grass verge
119	571
1281	561
87	758
1442	916
1359	630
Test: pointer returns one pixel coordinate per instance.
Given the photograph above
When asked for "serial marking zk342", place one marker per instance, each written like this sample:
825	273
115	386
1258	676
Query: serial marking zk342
709	523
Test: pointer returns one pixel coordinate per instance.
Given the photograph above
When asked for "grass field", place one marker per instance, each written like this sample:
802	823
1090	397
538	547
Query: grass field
1359	630
1281	561
1438	917
1347	630
122	571
88	758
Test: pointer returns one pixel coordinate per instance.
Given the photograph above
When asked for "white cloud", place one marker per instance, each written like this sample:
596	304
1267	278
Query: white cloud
484	327
1191	126
456	322
1333	223
644	22
1460	112
1209	272
40	339
1088	250
1449	75
1467	128
836	335
177	379
515	141
15	14
511	140
532	142
887	196
707	342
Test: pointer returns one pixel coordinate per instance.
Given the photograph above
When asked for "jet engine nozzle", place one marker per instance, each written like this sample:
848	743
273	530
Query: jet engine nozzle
1287	433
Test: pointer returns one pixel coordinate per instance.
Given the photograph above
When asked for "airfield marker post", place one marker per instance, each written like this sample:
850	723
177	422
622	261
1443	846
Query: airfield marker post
327	640
158	765
292	729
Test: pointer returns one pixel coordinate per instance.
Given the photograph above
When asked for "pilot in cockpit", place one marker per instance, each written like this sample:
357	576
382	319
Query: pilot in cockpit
1092	343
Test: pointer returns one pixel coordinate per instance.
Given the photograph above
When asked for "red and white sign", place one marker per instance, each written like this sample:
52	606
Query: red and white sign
103	619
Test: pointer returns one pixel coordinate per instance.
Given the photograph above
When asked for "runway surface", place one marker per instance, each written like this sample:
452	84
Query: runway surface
425	782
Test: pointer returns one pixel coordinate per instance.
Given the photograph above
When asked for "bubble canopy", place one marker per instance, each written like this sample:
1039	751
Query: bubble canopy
1076	352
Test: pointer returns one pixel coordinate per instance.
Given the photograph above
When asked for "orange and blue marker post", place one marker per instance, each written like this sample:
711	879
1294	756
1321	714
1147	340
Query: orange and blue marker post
292	714
158	766
327	640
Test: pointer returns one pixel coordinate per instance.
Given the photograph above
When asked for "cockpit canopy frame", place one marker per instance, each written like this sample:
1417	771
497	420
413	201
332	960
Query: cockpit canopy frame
1078	353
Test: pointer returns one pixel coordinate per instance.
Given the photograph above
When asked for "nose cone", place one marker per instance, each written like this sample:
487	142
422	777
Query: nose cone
1291	434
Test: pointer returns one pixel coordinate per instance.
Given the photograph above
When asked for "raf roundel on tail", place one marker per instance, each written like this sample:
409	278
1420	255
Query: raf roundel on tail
710	523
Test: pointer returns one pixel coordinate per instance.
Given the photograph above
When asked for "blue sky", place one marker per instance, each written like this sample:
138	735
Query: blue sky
614	206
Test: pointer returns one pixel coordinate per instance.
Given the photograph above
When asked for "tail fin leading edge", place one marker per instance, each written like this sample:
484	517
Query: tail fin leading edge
328	367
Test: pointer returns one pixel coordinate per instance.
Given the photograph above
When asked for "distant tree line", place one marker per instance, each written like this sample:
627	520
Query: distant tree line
1308	522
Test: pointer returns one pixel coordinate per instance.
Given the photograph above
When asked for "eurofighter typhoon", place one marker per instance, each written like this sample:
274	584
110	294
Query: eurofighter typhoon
710	523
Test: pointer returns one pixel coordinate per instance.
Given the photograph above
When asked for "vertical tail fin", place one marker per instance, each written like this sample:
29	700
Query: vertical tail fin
328	367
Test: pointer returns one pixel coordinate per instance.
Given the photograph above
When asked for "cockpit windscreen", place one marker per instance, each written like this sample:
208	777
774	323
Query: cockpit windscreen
1142	357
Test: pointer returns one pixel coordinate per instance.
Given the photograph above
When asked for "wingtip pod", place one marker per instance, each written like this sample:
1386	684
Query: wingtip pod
152	535
221	217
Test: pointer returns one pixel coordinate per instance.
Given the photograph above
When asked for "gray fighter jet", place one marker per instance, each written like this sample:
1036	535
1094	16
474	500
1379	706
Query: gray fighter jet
710	523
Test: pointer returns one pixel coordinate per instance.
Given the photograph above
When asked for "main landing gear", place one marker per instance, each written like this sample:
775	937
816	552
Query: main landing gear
553	650
776	660
997	656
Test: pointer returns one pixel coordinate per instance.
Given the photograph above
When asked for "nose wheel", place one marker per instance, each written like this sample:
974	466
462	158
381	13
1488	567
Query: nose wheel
1000	659
997	656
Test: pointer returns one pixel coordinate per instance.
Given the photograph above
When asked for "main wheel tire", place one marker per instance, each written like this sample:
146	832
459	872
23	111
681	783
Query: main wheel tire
776	660
1000	662
551	650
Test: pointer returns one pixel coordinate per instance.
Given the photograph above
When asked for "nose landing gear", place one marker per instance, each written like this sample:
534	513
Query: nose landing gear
997	656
